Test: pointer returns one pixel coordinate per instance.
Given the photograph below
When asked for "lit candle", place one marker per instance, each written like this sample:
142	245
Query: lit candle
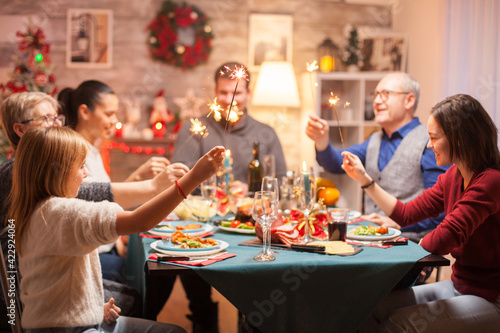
307	184
159	130
118	130
227	166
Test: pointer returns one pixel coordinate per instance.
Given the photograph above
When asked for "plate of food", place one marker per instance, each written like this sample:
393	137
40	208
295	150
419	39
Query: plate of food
371	233
193	228
238	227
171	249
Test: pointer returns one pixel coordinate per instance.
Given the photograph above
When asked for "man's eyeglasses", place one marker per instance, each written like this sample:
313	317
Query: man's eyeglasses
384	94
51	120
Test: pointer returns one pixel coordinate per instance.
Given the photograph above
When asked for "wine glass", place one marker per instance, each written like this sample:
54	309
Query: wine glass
208	188
269	166
265	211
270	184
307	199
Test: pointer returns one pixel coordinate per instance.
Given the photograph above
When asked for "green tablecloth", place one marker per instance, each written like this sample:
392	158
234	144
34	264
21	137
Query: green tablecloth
299	291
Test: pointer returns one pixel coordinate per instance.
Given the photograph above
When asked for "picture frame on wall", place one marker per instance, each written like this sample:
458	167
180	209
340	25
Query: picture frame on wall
384	52
89	42
270	38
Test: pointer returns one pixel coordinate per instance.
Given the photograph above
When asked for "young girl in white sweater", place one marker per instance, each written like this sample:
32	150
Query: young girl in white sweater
57	235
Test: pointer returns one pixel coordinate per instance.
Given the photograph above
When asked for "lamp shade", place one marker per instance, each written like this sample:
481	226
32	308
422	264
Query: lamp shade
276	85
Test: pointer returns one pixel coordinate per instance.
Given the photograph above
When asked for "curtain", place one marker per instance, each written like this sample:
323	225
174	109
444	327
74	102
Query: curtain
472	52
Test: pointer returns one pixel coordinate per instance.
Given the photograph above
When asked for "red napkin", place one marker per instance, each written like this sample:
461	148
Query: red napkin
207	262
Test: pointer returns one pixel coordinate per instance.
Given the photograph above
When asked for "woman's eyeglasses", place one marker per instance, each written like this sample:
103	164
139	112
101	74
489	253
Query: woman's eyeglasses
50	119
384	94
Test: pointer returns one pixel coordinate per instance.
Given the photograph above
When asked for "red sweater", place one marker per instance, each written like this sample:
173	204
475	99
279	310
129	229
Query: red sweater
470	230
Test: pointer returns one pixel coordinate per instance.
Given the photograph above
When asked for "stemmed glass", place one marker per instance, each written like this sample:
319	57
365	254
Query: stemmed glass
270	184
265	211
208	188
307	199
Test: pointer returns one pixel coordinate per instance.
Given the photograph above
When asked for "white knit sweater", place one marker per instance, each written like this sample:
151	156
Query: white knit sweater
61	283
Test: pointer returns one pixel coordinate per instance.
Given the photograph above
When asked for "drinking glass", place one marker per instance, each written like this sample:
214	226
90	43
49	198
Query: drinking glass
307	199
208	188
269	166
265	211
338	218
270	184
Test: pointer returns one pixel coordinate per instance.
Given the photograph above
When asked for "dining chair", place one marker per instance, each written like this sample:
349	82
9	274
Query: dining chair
4	272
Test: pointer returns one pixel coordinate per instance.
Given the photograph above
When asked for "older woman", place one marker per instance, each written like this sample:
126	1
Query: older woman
461	132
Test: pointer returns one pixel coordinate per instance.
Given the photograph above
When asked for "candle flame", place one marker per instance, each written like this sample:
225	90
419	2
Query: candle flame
311	67
228	153
304	166
118	125
198	128
158	126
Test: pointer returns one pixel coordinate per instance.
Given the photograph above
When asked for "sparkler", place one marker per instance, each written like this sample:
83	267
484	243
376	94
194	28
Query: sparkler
238	73
333	102
197	128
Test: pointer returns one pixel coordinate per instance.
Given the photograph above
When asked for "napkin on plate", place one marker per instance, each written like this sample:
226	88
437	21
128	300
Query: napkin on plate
194	262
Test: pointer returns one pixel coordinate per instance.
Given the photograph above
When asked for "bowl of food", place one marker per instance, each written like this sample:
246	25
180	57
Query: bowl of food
196	208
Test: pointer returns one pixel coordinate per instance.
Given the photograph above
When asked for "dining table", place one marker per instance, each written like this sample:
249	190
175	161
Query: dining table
297	292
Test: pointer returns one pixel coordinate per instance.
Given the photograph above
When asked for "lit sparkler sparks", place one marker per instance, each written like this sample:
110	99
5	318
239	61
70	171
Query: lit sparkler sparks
215	109
347	104
333	102
197	128
238	73
234	113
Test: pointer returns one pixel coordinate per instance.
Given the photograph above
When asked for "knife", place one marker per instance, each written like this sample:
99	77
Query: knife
165	257
307	248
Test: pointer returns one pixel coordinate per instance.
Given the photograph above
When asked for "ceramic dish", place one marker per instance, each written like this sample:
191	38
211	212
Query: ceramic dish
189	252
392	233
193	232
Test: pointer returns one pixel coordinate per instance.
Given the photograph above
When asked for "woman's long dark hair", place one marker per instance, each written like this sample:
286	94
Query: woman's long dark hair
88	93
471	132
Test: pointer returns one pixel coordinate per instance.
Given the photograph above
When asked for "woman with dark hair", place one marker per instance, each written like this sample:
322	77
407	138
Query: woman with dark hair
91	109
461	132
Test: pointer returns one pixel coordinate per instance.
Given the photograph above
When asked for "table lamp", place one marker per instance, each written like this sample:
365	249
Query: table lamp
276	85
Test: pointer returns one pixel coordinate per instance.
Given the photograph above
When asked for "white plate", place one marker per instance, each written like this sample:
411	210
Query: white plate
238	231
222	246
392	234
354	214
207	228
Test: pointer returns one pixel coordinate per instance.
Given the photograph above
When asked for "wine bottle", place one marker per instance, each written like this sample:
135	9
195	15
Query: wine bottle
255	171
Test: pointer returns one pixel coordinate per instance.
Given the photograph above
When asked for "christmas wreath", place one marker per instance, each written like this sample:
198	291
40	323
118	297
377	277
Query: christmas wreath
180	35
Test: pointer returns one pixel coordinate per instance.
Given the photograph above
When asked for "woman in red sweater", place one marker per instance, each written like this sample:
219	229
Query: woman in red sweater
461	132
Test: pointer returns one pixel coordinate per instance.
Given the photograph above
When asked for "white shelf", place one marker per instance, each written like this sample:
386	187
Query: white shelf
356	121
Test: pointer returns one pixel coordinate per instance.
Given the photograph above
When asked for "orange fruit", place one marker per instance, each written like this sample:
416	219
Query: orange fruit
330	195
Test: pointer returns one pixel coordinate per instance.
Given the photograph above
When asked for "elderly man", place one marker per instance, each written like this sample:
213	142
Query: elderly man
396	157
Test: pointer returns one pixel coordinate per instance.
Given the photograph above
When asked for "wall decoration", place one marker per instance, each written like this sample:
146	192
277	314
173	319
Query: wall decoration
180	35
384	52
89	38
271	38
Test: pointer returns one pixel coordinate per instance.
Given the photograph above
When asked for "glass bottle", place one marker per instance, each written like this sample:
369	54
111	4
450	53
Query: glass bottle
255	171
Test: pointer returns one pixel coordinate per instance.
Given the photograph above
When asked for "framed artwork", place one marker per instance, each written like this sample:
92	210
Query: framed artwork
270	38
384	52
89	41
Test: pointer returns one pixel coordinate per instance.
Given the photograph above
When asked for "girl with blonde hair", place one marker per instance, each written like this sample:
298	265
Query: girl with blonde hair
57	235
